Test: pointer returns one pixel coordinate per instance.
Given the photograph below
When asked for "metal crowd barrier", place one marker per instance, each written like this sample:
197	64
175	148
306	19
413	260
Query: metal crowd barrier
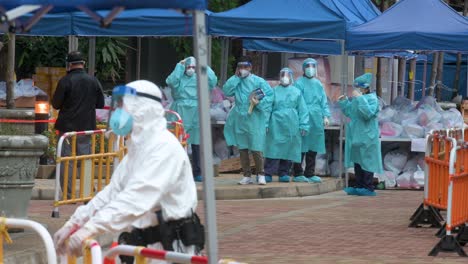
141	254
438	149
6	223
105	151
457	205
177	128
92	254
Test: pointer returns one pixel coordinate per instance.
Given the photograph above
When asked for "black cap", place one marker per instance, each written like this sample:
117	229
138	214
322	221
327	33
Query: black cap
75	57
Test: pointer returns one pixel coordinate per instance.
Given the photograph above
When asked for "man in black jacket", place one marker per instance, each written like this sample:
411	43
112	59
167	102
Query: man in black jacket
77	96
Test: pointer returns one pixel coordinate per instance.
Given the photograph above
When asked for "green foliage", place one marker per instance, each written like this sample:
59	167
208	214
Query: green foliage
184	46
32	52
51	151
109	52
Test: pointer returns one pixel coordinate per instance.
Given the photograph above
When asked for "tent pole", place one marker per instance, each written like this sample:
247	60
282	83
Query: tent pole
440	74
224	60
209	49
138	58
424	78
92	56
395	79
344	88
201	52
435	63
411	79
10	78
72	43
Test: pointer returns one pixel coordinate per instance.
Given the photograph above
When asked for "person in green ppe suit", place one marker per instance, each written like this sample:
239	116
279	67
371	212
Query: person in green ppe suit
362	147
246	129
289	121
183	83
317	105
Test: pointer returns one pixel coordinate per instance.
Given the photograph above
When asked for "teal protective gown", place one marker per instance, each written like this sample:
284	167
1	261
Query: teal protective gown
244	130
317	105
362	144
288	117
185	94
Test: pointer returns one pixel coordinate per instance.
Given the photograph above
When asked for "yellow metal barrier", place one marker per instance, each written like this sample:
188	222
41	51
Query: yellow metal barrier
177	128
94	168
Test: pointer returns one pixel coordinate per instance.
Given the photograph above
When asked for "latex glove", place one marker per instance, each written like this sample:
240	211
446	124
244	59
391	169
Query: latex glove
75	243
326	122
267	130
62	235
303	132
253	100
342	97
182	62
356	93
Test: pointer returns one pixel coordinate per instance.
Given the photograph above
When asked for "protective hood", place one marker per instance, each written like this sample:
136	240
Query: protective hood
148	114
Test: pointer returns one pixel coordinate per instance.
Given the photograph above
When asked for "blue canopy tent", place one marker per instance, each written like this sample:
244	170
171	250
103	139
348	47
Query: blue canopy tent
18	8
299	20
353	12
412	25
420	25
134	22
266	19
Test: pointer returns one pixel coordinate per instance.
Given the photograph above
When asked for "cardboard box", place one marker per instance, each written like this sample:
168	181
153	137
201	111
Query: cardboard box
42	70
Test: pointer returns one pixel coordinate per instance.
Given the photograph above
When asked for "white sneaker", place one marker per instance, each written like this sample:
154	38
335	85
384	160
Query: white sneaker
261	180
246	180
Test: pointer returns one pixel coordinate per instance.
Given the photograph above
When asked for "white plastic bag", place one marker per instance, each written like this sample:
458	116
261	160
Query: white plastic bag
390	129
395	161
452	118
335	169
321	164
418	178
404	180
387	114
414	130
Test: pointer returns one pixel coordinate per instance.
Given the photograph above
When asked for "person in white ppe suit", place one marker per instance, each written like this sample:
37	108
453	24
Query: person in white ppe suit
154	177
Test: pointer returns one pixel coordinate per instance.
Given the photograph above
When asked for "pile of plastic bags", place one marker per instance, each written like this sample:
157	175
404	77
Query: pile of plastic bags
23	88
402	170
403	119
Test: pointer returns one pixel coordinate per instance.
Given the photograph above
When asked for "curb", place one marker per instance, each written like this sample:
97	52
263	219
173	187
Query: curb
236	192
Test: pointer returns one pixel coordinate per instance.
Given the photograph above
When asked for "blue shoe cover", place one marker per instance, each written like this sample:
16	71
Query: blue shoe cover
300	179
284	178
350	191
198	178
315	179
268	178
365	192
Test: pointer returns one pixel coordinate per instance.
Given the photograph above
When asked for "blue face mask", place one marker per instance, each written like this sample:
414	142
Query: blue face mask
310	72
121	122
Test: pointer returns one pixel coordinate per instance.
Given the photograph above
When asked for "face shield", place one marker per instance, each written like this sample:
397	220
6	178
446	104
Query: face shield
244	68
190	64
120	120
286	77
310	69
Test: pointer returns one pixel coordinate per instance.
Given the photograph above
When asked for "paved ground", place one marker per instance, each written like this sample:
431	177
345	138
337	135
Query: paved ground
328	228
